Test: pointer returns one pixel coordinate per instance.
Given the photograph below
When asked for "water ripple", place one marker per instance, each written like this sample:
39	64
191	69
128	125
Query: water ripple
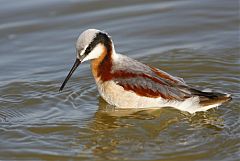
191	39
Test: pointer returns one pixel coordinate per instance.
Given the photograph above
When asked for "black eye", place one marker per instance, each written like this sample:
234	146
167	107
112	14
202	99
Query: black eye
88	50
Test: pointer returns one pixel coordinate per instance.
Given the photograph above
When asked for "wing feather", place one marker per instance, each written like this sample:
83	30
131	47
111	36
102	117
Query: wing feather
148	81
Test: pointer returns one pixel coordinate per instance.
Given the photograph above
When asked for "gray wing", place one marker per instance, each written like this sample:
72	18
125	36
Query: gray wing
147	81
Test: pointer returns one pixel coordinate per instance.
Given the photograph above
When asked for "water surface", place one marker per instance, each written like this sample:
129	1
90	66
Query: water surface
196	40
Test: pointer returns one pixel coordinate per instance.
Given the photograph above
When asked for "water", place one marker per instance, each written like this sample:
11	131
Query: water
196	40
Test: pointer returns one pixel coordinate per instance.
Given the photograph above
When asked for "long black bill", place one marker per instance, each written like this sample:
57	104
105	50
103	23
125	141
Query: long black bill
76	64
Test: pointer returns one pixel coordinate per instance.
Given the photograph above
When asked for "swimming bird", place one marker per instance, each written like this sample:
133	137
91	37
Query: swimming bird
127	83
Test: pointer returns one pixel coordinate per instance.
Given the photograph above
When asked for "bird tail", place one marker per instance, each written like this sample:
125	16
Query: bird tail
209	98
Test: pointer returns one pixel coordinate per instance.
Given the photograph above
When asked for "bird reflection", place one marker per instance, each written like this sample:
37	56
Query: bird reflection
113	128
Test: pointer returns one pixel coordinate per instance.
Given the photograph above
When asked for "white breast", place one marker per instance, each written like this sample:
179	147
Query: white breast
117	96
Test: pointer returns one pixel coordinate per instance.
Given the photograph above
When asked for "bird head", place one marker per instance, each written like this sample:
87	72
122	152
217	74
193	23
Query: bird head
90	45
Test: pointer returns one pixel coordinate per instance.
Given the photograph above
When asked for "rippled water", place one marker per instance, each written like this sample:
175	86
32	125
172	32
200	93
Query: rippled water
196	40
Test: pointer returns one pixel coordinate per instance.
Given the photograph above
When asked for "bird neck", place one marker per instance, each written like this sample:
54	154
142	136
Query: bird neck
101	67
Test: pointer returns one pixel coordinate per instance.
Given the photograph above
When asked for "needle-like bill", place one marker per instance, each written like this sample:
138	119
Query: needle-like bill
76	64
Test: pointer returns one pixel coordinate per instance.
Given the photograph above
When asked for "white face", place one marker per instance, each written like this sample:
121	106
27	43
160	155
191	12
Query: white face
94	54
92	43
89	46
84	40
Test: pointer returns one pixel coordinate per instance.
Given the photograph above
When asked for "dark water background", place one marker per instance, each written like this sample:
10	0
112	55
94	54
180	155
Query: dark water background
193	39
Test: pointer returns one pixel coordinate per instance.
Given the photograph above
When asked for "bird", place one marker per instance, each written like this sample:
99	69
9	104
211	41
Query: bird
127	83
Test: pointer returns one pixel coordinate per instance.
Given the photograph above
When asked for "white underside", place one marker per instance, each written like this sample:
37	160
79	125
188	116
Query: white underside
117	96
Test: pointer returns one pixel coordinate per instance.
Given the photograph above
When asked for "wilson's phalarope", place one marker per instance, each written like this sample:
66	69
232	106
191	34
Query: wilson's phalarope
127	83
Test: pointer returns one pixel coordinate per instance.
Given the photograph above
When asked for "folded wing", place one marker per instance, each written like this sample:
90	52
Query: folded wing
148	81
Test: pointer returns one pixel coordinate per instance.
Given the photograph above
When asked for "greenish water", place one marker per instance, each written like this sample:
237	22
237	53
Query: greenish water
195	40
